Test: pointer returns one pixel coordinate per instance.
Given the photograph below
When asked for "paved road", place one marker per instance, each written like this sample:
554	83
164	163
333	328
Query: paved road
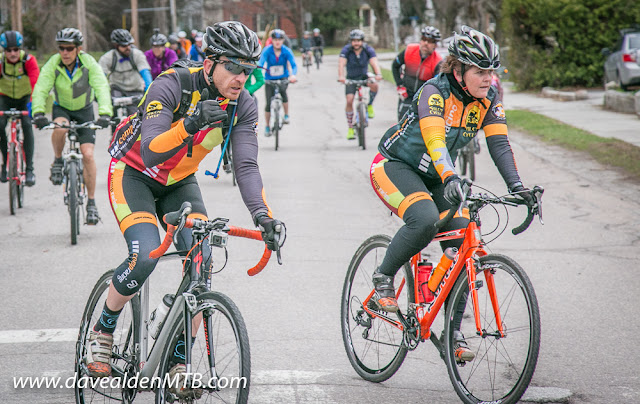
582	263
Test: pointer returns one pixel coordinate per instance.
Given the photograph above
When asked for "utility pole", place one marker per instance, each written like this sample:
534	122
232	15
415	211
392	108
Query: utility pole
174	19
134	21
16	15
82	20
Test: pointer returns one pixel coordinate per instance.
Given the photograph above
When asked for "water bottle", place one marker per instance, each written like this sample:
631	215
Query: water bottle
158	315
441	269
422	279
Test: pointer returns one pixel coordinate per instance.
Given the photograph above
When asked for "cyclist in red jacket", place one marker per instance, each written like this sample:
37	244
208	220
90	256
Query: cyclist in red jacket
421	62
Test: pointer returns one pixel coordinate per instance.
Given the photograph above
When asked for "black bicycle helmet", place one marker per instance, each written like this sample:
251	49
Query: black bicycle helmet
431	33
472	47
231	39
277	34
158	39
356	34
121	37
70	35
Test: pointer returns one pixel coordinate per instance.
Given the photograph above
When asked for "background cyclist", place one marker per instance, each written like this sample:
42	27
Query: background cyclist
196	52
280	64
356	57
151	174
126	67
415	175
254	82
18	75
176	46
305	45
159	56
421	62
318	41
77	79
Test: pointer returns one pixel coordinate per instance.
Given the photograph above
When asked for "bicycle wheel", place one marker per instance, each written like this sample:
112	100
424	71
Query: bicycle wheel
362	114
374	347
123	359
227	352
21	174
13	179
72	196
503	366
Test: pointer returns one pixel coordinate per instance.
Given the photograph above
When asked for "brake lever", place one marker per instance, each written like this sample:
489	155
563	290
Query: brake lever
183	220
538	194
277	244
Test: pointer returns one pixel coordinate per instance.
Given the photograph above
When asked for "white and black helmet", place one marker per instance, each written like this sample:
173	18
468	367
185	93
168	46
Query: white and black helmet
472	47
356	34
158	39
70	35
121	37
431	33
231	39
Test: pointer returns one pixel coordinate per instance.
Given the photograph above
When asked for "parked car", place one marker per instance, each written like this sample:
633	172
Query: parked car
621	65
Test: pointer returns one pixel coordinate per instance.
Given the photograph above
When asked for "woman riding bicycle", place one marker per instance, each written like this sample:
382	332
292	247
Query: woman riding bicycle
156	153
414	172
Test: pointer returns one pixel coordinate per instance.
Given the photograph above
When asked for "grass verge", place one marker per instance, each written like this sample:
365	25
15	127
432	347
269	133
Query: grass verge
610	152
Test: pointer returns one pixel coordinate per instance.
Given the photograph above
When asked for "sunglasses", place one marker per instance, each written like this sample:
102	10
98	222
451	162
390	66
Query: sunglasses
485	64
236	68
67	48
10	50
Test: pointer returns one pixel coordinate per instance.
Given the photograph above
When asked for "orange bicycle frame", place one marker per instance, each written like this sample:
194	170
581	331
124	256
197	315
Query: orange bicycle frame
466	258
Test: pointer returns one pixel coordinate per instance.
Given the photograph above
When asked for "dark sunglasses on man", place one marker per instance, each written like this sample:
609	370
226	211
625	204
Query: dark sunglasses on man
66	48
237	66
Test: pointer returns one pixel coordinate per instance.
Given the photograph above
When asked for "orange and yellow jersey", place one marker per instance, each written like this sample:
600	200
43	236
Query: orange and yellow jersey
155	142
442	119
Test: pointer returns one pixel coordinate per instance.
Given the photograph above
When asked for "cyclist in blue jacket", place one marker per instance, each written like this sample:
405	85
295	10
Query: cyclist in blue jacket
276	57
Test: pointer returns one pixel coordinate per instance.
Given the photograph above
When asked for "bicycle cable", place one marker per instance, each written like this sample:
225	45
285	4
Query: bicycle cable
498	216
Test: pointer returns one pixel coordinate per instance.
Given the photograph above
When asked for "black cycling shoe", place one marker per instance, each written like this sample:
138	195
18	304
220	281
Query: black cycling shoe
56	172
385	292
92	214
30	179
3	174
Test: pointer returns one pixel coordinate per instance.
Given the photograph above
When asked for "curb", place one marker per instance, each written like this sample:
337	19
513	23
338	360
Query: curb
549	92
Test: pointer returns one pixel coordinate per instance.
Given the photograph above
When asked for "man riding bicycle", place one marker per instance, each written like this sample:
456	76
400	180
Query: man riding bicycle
280	64
76	79
19	73
126	67
318	40
421	62
156	153
306	43
356	57
414	172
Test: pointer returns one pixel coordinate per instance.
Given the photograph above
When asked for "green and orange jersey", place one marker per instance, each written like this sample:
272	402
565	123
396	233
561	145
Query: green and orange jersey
161	142
443	119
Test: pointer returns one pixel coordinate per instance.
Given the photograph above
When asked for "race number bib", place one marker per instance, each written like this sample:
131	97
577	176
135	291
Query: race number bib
277	70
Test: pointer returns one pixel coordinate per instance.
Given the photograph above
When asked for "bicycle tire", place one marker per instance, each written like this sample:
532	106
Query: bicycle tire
13	183
125	335
362	123
21	174
232	168
231	352
72	196
377	359
503	367
471	160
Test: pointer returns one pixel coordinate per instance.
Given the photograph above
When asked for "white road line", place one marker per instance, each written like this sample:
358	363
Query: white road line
46	335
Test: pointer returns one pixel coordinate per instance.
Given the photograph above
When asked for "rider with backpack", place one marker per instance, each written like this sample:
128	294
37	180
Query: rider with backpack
156	153
126	67
18	75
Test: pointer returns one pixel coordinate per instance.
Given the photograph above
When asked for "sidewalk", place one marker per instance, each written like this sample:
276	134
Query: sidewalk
586	114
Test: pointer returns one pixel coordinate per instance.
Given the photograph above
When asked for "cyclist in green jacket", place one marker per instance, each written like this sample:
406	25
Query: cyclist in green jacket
77	79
